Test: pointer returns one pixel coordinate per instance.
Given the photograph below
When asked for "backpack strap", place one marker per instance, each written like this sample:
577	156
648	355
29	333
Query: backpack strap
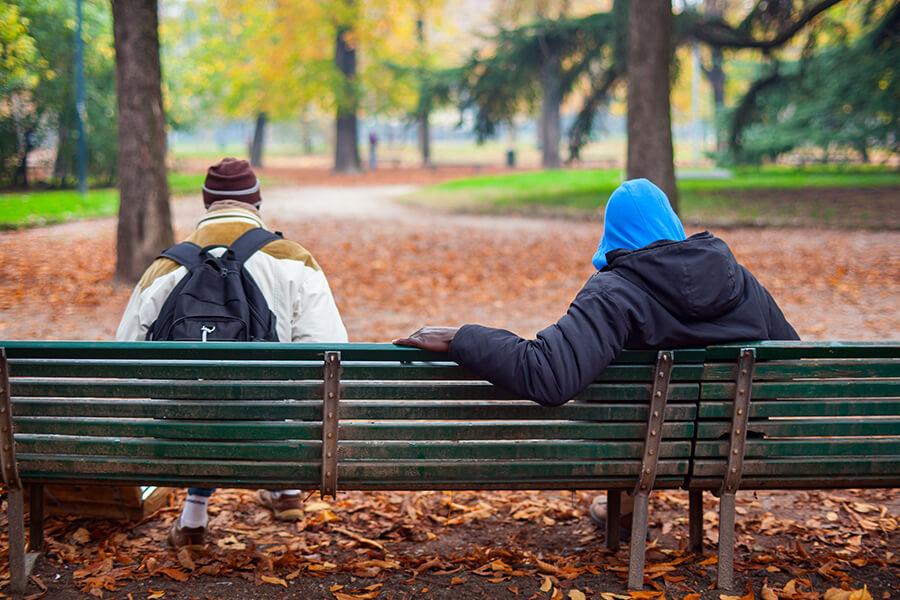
186	254
246	246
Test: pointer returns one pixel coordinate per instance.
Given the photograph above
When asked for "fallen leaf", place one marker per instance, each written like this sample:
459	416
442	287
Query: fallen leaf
838	594
546	585
175	574
767	593
156	594
576	595
544	567
231	543
274	580
82	536
457	580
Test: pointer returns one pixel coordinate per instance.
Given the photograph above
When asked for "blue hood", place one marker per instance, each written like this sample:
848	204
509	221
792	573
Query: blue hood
637	214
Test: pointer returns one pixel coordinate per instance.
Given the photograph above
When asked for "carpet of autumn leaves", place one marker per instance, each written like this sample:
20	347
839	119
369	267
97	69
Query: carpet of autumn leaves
391	271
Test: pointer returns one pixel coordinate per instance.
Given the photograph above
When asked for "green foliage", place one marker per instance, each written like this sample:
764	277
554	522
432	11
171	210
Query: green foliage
846	96
501	84
27	209
44	83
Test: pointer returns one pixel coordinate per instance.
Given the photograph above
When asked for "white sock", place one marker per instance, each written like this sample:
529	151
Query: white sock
279	493
194	512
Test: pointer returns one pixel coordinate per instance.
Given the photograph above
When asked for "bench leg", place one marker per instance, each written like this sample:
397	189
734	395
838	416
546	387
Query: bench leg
15	513
695	521
36	513
726	541
613	519
638	541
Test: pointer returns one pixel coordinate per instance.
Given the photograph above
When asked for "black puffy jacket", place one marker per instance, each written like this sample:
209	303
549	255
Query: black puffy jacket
665	295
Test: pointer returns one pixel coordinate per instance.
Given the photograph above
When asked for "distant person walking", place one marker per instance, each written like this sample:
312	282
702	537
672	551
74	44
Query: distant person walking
274	290
373	150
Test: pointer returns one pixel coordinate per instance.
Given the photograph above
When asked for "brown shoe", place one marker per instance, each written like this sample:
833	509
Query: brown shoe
284	508
187	537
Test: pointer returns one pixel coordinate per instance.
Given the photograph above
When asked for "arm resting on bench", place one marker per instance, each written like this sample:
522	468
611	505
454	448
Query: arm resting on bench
562	361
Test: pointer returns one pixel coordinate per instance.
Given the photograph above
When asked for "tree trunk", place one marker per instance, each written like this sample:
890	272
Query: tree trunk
145	222
259	140
649	119
346	150
425	139
551	98
716	77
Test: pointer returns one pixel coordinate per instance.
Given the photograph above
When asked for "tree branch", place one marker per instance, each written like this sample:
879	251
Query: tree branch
716	32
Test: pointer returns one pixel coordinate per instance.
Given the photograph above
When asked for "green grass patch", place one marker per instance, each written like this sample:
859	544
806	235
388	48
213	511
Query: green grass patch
43	207
775	195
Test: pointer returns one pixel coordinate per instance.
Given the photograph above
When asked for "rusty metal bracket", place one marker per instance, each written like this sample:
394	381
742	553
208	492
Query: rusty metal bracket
330	419
7	440
639	520
658	398
733	470
739	418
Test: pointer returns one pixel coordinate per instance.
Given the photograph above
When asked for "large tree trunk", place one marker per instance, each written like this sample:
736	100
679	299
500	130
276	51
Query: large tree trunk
145	222
259	140
551	99
346	150
649	120
716	76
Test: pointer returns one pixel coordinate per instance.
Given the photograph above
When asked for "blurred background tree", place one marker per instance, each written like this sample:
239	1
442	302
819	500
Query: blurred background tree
42	97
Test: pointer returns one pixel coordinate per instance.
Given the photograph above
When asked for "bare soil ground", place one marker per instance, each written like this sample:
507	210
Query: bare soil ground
392	269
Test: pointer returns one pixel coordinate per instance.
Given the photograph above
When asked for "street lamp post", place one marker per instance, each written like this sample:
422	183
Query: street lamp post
80	112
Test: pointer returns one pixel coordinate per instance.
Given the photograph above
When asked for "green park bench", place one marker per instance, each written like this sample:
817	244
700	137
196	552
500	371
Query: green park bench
379	417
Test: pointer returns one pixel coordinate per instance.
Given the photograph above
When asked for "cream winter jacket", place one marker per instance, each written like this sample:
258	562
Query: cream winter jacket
288	276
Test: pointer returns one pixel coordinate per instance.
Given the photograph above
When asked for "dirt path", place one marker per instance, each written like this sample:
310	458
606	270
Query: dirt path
393	268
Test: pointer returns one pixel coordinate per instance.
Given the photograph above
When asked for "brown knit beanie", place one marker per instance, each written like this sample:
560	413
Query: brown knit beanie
231	179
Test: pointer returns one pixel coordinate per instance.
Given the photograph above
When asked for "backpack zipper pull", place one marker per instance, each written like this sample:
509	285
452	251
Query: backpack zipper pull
204	330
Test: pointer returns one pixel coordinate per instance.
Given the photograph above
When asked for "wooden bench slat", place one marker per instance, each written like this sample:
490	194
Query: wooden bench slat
831	446
801	482
793	466
796	350
817	369
312	390
309	450
284	370
828	407
857	388
806	427
348	472
353	430
311	410
269	351
312	449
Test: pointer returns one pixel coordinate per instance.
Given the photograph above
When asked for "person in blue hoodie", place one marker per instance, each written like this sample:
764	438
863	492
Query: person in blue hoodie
654	288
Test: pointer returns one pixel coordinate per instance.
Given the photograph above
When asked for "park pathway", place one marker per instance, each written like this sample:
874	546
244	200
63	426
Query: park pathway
394	266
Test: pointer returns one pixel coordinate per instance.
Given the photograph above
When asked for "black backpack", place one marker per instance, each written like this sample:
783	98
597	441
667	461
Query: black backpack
217	300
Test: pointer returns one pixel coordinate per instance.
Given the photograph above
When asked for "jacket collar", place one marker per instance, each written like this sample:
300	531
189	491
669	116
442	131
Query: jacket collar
231	212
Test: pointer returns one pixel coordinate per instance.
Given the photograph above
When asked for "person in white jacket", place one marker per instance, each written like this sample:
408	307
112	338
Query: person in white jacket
290	279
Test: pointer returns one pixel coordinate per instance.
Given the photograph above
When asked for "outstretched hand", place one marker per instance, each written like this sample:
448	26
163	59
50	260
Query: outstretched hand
433	339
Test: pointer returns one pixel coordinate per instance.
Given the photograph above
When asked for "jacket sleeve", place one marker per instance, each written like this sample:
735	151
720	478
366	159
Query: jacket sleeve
561	362
316	317
144	306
